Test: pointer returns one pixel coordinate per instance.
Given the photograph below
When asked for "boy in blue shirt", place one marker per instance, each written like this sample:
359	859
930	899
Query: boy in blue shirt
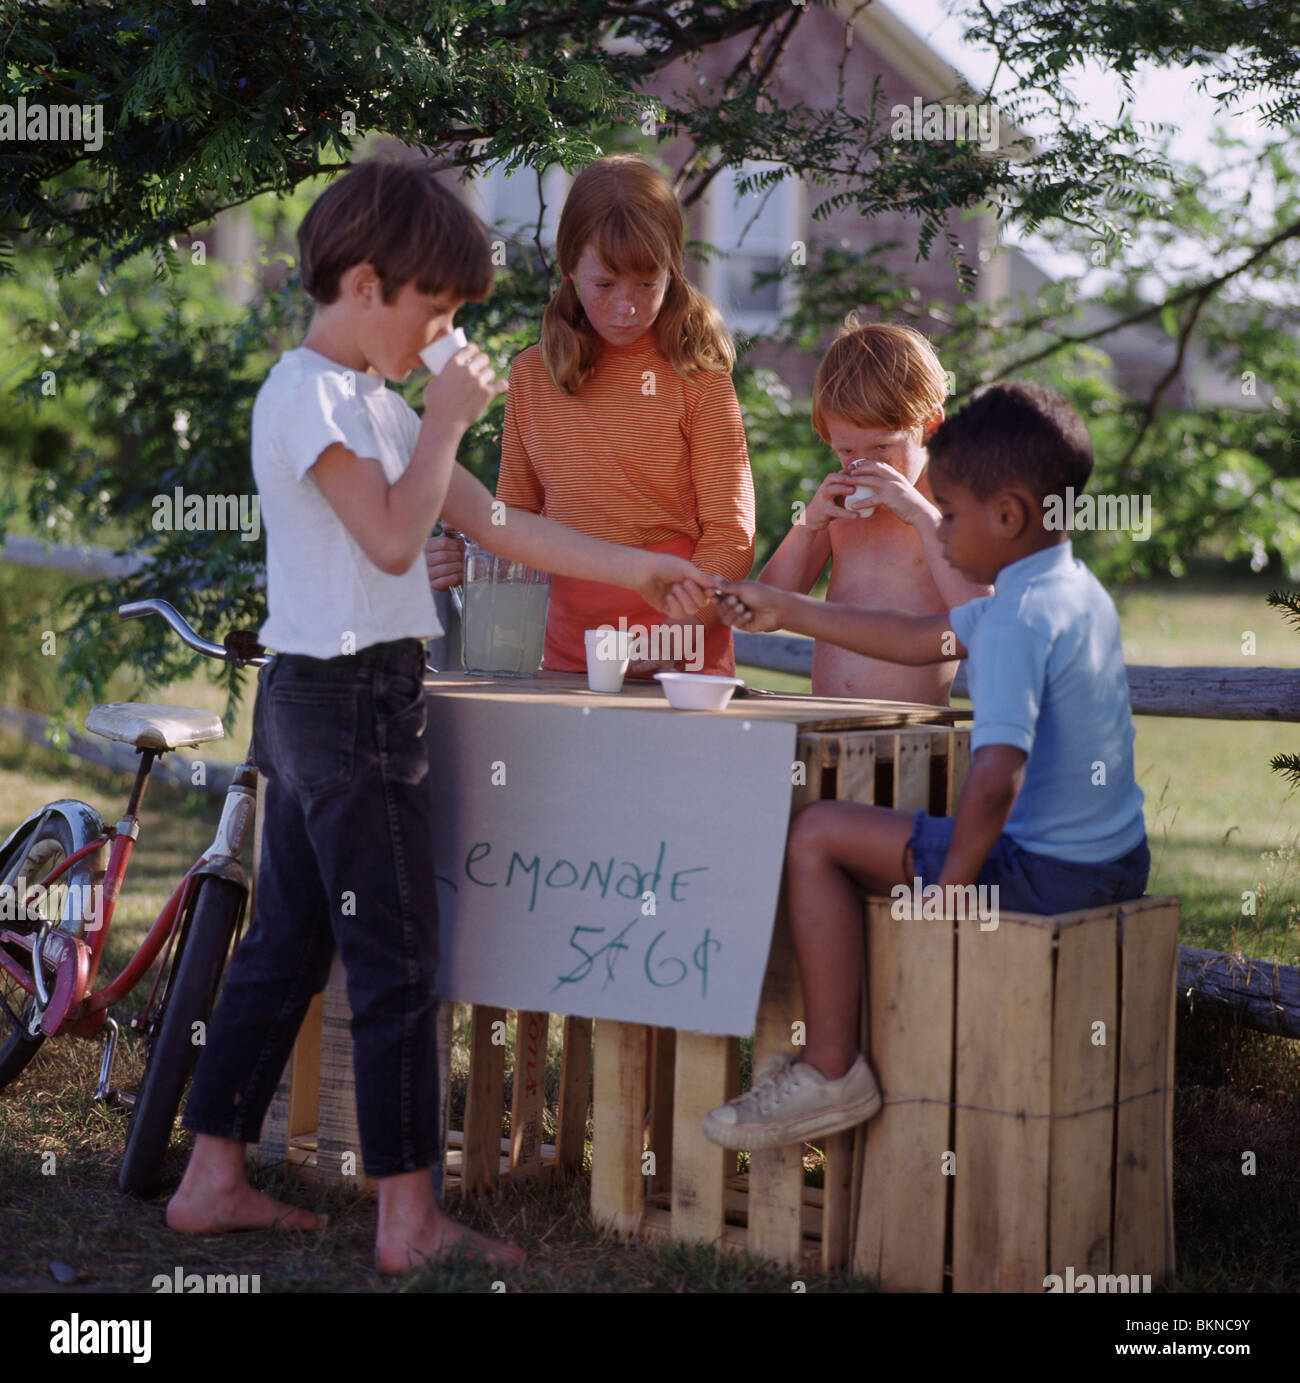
352	481
1051	814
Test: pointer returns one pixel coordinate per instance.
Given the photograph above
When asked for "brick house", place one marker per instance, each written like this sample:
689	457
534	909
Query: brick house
756	232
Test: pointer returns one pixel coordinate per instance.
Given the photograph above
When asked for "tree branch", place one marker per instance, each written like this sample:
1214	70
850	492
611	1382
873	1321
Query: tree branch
755	83
1153	402
1210	286
537	233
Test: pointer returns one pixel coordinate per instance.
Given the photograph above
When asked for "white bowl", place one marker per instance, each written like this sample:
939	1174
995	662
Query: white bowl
697	691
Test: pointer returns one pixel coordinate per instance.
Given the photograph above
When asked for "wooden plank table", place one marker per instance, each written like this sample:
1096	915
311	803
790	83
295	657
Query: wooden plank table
693	1187
650	1085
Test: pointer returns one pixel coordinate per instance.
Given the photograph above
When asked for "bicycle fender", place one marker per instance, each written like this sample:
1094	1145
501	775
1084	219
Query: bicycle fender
84	822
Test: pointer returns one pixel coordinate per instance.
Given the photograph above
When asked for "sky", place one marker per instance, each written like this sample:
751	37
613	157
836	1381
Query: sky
1162	94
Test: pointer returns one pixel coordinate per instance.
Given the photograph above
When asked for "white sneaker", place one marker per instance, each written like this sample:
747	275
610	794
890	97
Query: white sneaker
791	1102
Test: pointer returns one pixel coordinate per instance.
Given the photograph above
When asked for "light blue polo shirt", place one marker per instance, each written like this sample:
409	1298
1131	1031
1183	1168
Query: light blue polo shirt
1046	675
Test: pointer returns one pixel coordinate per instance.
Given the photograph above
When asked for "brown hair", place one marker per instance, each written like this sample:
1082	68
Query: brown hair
397	217
628	215
877	375
1014	434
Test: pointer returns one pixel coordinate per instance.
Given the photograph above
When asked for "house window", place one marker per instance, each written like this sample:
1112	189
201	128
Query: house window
509	205
753	232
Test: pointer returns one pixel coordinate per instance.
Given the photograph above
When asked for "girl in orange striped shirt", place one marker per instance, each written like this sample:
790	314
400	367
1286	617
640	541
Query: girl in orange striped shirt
623	423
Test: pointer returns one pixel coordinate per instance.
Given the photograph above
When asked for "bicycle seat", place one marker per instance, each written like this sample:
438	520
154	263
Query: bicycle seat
150	726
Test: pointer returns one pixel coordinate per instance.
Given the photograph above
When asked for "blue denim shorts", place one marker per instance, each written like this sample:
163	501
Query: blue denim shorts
1034	883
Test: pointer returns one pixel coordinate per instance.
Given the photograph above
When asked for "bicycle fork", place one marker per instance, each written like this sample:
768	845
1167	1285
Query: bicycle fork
232	831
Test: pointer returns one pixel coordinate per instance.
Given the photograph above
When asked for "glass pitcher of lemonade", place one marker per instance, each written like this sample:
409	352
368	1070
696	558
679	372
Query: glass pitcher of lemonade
503	621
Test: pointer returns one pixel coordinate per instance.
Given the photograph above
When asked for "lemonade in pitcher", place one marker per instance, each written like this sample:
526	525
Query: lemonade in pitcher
503	624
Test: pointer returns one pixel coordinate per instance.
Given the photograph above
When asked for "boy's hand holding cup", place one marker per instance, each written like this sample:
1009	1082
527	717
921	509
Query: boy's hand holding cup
461	380
878	483
862	501
830	502
442	350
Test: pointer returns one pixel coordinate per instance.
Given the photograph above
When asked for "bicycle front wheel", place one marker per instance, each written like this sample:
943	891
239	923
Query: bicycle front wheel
20	1034
187	1009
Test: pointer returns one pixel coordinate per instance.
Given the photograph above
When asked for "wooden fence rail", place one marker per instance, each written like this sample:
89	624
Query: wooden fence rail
1208	693
1259	994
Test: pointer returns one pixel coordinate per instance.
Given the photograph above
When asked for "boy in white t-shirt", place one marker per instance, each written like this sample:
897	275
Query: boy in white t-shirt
351	483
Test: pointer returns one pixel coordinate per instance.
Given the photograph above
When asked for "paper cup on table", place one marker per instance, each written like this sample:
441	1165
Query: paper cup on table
607	659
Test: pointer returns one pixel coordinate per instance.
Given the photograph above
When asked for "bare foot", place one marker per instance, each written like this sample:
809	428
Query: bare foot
437	1235
211	1210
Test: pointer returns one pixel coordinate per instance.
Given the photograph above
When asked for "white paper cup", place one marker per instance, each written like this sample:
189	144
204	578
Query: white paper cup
442	350
607	659
862	501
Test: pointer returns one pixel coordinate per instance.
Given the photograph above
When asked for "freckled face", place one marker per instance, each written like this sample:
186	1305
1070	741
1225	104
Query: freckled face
895	448
620	307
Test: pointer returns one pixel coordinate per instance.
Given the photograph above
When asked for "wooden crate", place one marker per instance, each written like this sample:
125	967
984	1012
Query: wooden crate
1028	1081
1019	1137
768	1211
312	1122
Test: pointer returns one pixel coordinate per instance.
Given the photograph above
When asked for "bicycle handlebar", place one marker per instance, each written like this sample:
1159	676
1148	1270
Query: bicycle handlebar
137	608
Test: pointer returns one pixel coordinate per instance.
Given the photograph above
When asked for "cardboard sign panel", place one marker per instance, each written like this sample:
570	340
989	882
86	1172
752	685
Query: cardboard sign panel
613	866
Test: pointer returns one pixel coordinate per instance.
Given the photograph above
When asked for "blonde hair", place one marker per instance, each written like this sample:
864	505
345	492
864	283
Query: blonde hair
628	215
878	375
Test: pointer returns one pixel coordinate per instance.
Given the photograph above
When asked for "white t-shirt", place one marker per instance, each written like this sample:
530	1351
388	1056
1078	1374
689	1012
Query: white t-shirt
325	596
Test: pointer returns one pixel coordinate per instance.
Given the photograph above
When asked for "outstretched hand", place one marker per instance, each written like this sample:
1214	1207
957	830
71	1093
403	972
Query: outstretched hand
672	585
749	605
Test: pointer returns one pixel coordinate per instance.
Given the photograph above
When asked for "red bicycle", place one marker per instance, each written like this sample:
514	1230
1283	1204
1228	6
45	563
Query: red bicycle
62	871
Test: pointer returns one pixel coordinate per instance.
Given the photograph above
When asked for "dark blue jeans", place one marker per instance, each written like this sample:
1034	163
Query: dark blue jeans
347	863
1028	882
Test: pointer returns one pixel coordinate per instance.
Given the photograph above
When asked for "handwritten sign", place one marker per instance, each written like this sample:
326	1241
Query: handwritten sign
610	864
